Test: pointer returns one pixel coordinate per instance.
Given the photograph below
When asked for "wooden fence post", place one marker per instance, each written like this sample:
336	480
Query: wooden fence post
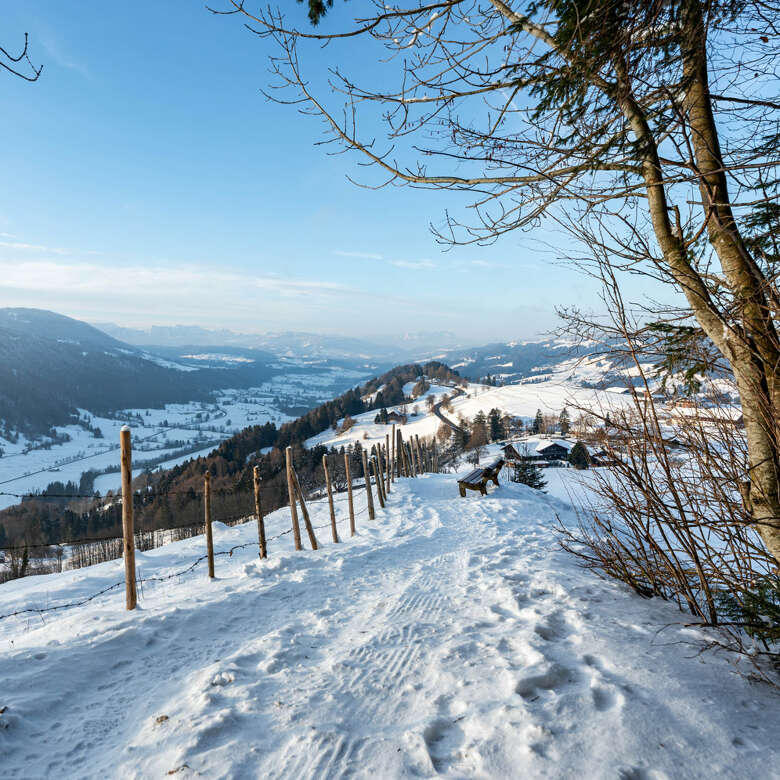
378	477
420	460
207	521
306	518
394	463
367	477
293	508
400	451
380	474
388	463
330	499
128	535
380	463
259	513
349	495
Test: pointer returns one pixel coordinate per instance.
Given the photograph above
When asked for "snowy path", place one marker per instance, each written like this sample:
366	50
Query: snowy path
450	638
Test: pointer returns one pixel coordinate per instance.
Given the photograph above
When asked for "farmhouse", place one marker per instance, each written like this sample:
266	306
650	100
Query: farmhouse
538	449
554	450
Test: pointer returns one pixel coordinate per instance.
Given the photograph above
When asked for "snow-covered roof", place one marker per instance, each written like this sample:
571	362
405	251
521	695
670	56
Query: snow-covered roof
539	445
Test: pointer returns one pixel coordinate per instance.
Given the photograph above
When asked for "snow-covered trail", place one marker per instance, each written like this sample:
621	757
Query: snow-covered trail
450	637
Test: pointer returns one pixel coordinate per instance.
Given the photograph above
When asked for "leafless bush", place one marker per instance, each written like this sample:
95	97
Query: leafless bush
667	516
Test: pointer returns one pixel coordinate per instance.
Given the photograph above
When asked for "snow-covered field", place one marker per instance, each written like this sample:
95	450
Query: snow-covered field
451	637
550	396
24	470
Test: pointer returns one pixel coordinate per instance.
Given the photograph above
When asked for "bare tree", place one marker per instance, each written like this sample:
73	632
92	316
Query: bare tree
667	516
20	64
647	129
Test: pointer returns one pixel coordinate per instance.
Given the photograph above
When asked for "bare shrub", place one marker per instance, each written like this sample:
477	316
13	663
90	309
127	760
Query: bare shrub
668	515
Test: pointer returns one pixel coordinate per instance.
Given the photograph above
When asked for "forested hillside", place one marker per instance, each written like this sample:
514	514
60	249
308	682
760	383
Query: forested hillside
173	496
50	365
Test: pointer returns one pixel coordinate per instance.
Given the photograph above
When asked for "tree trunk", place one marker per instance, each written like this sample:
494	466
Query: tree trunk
747	339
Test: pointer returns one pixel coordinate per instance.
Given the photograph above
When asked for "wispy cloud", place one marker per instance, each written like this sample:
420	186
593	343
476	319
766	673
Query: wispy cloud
358	255
91	279
49	250
57	53
414	265
482	264
411	265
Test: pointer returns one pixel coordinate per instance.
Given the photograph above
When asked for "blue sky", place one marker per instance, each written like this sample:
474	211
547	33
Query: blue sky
148	181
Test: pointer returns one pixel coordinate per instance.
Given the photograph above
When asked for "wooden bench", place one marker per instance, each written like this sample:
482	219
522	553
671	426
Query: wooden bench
478	479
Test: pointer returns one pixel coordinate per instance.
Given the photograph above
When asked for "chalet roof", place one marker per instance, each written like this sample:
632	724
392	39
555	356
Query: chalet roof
510	452
535	446
545	445
725	414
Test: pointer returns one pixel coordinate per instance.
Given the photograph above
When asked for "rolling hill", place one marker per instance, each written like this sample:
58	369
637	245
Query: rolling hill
50	365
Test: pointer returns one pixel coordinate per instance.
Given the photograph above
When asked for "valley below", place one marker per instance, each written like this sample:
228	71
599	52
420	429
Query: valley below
87	453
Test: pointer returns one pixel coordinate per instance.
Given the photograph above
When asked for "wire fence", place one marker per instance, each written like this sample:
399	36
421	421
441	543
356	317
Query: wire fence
173	575
117	499
239	503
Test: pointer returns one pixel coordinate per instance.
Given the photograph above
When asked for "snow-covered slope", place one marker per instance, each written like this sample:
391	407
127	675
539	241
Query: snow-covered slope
451	637
551	395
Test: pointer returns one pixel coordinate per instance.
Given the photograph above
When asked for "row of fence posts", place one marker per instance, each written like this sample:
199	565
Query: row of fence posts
396	459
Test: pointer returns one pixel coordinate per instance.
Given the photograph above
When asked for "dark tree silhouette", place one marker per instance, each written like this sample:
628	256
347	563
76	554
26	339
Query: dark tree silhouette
20	64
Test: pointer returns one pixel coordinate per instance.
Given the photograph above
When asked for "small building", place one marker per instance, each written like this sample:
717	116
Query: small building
553	451
547	450
727	416
511	455
396	417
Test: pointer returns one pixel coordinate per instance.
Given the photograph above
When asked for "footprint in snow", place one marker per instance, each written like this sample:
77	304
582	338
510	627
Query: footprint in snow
553	627
639	773
222	678
605	699
556	676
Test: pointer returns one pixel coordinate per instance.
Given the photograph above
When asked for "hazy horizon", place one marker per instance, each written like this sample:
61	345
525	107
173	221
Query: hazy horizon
151	185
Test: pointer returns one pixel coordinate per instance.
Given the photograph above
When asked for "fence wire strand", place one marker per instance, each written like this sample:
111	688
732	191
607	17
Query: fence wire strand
140	580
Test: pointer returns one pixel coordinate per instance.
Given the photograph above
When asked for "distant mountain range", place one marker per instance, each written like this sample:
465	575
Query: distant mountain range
50	364
508	362
409	346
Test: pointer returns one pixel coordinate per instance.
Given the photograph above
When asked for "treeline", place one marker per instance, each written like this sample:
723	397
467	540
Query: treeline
173	498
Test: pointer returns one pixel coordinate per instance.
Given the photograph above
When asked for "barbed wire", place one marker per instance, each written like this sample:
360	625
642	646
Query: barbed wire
146	493
164	578
339	497
140	493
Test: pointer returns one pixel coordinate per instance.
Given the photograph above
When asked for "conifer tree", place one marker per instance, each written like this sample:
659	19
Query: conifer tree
527	472
495	425
479	431
564	422
579	456
538	423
